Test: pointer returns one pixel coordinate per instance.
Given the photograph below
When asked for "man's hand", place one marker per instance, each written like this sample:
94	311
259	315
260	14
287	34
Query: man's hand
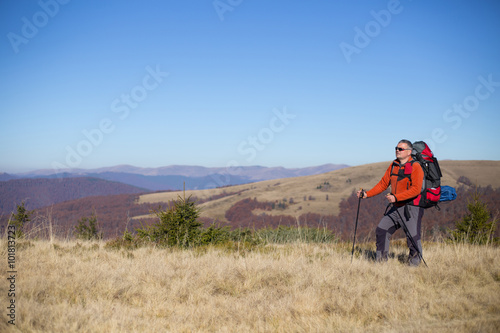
391	198
359	193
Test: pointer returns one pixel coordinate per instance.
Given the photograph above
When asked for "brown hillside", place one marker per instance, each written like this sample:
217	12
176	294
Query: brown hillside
286	201
321	194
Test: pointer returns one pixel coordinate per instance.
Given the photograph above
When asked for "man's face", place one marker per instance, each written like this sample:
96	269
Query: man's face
402	154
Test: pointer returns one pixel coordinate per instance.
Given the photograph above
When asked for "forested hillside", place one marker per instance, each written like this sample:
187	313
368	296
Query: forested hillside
40	192
117	212
435	222
113	213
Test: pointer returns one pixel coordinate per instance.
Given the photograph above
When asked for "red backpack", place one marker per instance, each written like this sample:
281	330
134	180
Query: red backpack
431	186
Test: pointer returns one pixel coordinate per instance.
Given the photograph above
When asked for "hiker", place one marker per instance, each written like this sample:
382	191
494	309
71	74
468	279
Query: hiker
405	179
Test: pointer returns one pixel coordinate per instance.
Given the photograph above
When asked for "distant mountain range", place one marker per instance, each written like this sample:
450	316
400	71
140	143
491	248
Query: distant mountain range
175	176
45	187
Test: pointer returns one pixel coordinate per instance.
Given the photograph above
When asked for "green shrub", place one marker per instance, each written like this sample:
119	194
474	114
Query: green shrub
214	235
178	225
20	219
127	241
477	227
87	228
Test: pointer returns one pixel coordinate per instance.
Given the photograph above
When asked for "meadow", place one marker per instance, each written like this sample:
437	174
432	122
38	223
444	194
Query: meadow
88	286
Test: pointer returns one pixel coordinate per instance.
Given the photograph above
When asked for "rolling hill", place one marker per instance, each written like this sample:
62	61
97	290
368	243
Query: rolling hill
321	194
40	192
325	198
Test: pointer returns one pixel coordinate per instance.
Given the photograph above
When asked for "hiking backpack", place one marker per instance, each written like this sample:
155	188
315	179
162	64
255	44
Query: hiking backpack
431	185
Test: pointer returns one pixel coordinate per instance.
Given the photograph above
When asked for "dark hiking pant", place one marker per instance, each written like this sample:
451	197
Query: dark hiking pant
392	222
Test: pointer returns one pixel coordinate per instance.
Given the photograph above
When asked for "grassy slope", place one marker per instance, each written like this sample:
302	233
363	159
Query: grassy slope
482	173
83	287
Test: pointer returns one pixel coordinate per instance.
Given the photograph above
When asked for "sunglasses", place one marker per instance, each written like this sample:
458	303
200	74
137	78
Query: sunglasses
401	149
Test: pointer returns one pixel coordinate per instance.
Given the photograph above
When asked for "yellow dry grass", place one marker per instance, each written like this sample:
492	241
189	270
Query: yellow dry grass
341	184
67	286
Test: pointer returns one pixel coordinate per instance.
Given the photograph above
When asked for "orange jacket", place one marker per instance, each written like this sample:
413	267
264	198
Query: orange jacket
405	181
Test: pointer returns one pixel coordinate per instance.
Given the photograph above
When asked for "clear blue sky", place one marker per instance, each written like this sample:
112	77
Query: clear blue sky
245	82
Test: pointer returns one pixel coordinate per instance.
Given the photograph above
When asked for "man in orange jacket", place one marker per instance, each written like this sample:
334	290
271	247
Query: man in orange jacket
405	178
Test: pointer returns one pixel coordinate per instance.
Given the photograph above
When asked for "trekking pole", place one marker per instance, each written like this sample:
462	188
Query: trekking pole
361	194
408	235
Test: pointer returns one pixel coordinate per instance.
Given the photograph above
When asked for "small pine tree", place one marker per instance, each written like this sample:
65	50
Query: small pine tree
178	225
477	227
87	228
20	219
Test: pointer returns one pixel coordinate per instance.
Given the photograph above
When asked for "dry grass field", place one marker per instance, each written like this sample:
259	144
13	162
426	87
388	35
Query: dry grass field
69	286
341	183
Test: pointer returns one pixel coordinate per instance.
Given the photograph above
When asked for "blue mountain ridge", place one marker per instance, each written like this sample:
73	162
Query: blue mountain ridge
175	177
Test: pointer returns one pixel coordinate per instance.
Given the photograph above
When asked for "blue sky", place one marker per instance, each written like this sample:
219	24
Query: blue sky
297	83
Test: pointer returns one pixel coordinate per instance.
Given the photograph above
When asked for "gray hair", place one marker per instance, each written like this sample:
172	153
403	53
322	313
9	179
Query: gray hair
408	143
